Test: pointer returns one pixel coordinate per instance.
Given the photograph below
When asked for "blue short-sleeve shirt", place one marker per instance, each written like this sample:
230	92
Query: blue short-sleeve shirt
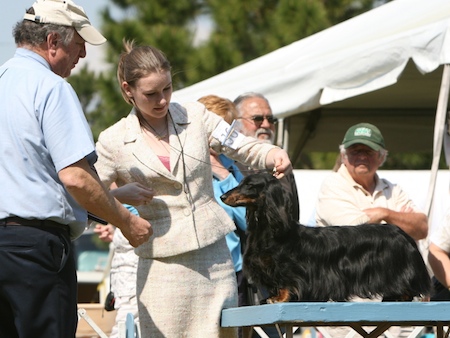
42	130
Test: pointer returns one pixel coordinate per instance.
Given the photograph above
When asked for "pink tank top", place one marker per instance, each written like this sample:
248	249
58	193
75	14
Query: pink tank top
165	160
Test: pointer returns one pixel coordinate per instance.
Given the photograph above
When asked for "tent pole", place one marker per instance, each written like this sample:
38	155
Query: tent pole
285	144
279	141
310	127
439	129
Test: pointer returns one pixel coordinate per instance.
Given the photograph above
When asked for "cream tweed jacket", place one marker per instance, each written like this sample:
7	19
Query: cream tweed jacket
183	213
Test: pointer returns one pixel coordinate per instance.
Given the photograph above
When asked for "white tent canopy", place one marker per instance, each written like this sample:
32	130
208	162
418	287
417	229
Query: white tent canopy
380	67
360	55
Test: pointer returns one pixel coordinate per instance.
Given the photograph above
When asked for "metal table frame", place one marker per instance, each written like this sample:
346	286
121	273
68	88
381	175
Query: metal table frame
381	315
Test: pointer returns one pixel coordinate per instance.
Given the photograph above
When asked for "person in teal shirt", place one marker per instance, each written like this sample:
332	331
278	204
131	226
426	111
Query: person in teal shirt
226	175
237	214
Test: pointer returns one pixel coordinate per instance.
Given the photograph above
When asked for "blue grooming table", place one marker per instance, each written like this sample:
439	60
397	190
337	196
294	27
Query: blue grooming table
381	315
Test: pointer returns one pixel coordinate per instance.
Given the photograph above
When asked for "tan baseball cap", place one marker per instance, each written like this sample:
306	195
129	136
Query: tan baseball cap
66	13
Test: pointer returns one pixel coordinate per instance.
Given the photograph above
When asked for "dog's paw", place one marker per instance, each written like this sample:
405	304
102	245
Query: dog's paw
272	300
421	298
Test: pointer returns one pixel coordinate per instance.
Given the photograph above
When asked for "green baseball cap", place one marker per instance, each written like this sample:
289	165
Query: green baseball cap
364	133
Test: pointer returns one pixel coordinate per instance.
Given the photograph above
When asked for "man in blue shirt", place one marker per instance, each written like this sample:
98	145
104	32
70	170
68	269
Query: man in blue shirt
46	169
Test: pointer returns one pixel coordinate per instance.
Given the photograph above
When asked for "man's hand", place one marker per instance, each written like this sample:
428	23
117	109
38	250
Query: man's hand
413	223
376	215
138	230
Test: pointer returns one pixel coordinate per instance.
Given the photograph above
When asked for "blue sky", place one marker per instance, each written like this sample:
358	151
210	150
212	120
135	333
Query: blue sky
14	10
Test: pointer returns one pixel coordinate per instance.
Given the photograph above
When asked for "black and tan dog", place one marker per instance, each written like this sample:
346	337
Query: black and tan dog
301	263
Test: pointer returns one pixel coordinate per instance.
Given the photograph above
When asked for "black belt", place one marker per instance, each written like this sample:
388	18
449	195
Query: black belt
38	223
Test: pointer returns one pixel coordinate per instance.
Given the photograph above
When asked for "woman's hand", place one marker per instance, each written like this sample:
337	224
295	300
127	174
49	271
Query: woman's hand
104	232
278	160
217	167
133	194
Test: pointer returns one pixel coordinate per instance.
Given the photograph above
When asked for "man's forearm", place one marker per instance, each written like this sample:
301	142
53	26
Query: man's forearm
440	263
413	223
86	188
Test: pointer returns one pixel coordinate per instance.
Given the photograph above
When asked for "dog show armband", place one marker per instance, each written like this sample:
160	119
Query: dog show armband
227	135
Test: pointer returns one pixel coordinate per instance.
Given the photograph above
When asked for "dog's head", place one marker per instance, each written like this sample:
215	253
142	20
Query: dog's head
262	192
251	191
263	196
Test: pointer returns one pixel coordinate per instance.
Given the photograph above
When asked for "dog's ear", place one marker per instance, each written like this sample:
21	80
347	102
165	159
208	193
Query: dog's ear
277	211
274	192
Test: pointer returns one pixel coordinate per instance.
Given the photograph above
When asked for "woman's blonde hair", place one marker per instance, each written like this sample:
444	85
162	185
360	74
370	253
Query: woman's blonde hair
220	106
137	62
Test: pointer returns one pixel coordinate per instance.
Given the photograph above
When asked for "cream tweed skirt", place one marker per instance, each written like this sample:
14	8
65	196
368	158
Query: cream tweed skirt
183	295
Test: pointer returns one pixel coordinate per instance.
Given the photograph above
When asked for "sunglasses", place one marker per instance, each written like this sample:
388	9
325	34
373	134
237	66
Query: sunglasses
258	119
359	152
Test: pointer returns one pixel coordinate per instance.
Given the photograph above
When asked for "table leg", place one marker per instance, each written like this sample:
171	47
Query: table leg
439	331
289	329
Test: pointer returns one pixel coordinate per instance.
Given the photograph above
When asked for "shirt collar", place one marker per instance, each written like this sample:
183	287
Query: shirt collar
28	53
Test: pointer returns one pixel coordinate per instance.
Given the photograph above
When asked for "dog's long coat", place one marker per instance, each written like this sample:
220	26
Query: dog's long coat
296	262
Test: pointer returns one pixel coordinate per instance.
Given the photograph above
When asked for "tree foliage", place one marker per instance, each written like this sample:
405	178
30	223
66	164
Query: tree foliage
245	30
242	31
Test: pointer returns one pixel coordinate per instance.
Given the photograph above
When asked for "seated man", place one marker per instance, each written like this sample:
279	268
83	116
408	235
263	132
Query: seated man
355	194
